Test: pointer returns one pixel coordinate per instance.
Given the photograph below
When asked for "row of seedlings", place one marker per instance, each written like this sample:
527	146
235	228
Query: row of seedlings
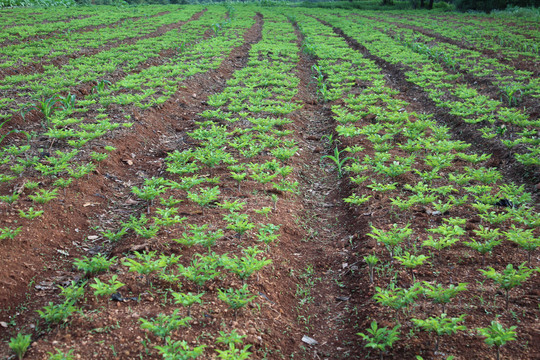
41	160
32	16
73	161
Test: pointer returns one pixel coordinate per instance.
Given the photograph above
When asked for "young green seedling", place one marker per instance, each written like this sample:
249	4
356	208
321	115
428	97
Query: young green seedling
440	325
509	278
397	298
525	239
371	260
380	338
179	350
236	298
497	336
187	300
337	161
106	289
20	344
441	295
392	237
162	325
411	261
94	265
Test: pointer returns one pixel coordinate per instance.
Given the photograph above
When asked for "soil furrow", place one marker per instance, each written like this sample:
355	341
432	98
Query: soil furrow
326	250
419	101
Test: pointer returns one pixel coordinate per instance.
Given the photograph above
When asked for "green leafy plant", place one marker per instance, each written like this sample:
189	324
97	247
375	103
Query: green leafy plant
236	298
264	211
200	235
244	266
67	103
411	261
30	213
55	314
43	196
371	260
20	344
233	353
267	233
146	265
187	300
106	289
201	270
490	240
204	197
397	298
440	325
59	355
162	325
380	338
179	350
338	162
9	199
525	239
497	336
441	295
47	106
229	338
9	233
509	278
73	292
94	265
357	200
238	223
392	237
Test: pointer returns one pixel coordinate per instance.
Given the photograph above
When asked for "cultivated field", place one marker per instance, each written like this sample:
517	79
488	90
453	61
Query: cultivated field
257	182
